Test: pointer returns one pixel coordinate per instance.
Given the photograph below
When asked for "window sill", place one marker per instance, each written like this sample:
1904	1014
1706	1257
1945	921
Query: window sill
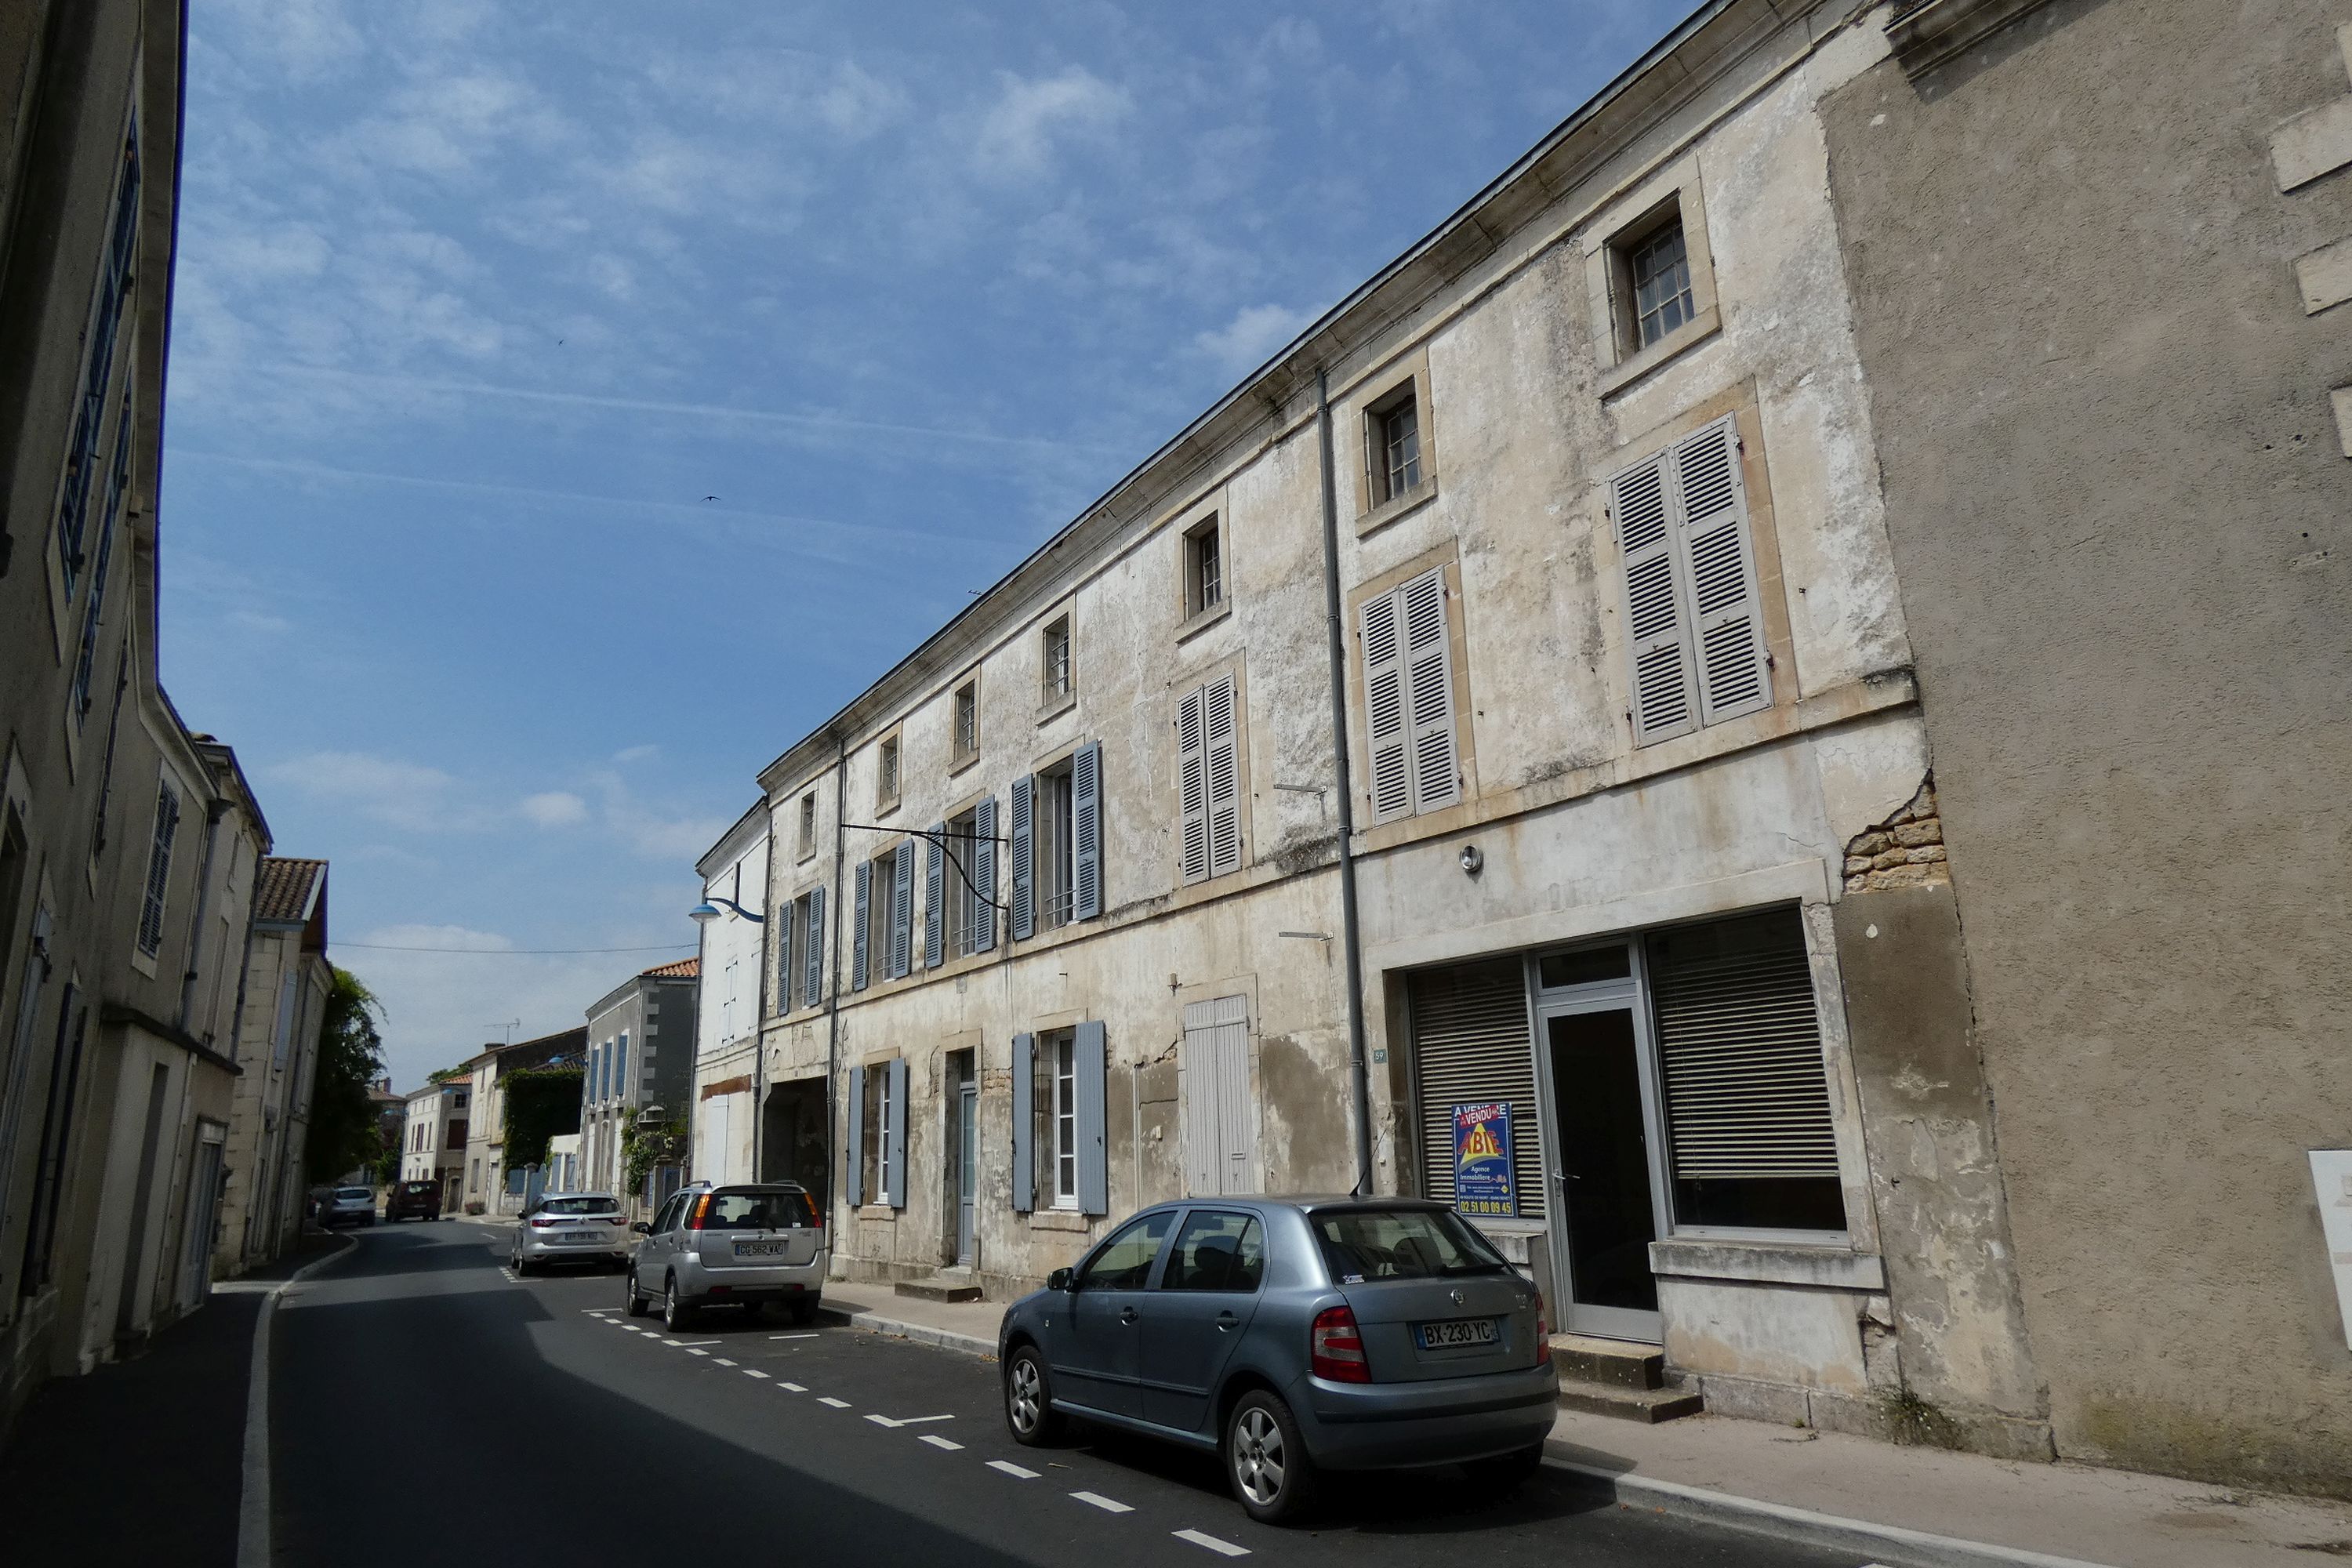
1672	346
1053	708
1827	1264
875	1211
1395	507
885	807
957	765
1205	620
1059	1219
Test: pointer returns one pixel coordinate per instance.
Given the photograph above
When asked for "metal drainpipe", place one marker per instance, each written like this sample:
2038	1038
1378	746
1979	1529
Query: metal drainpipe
841	912
1358	1079
214	812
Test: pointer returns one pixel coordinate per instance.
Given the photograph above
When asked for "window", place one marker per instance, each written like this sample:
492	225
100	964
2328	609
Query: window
967	721
1409	699
808	824
800	960
159	871
1208	784
1392	432
1694	619
94	611
106	770
885	775
1054	859
878	1121
875	916
1204	570
1064	1112
969	921
90	414
1216	1251
1658	268
1124	1261
1402	1244
621	1067
1057	684
1650	277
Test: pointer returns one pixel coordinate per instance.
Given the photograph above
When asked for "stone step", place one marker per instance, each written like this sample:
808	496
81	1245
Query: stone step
1648	1406
938	1287
1614	1364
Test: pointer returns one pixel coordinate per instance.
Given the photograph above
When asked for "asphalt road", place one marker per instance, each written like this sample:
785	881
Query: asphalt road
426	1406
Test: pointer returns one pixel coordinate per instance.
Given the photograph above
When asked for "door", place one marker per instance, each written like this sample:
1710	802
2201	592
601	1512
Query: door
967	1167
1208	1291
204	1210
1095	1361
1220	1121
1606	1174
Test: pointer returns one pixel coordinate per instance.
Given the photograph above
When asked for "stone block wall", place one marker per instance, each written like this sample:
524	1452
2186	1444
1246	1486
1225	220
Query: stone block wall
1907	850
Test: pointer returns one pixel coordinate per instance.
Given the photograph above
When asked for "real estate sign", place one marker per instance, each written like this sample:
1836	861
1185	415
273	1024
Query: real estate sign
1482	1160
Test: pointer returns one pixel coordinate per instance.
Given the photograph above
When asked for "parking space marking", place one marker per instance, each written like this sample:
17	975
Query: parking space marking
949	1444
1212	1542
829	1399
697	1341
599	1311
795	1387
1009	1469
1109	1505
722	1360
792	1336
753	1372
691	1350
878	1420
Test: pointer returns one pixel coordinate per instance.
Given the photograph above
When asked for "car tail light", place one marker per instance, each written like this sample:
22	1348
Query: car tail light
701	1211
544	1224
1543	1339
1336	1349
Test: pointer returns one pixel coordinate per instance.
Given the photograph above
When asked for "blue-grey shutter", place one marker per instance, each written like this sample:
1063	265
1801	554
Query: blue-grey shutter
1025	1124
1085	827
983	872
854	1181
813	971
935	904
893	1151
902	910
1090	1061
1024	855
784	961
857	934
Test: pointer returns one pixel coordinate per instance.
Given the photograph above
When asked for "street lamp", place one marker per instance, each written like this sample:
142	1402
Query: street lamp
703	913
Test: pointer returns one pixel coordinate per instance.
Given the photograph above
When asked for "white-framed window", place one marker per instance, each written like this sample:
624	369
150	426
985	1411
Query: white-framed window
1204	567
967	721
1065	1120
1059	678
158	870
886	773
1208	781
1392	438
1056	862
808	824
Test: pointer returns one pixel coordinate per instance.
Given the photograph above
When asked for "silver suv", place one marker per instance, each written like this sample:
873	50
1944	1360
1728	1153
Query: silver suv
735	1245
569	1227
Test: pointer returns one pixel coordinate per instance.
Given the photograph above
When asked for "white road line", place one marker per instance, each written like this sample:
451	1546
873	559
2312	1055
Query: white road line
691	1350
1212	1542
1009	1469
879	1420
795	1387
753	1372
697	1341
1109	1505
950	1445
722	1360
792	1336
829	1399
918	1420
599	1311
665	1341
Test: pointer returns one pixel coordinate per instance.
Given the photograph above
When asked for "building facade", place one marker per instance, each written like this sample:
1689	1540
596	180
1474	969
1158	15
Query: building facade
641	1052
287	981
434	1138
729	1001
489	1188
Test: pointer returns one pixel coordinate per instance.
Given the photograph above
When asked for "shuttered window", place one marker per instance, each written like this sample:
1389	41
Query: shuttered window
902	910
982	892
1024	852
1025	1124
935	907
857	933
813	967
893	1134
1470	1047
1086	831
1409	699
1208	780
784	959
1693	620
159	871
1748	1108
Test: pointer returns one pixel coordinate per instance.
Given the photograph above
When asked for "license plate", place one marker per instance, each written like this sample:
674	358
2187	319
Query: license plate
585	1235
759	1249
1457	1331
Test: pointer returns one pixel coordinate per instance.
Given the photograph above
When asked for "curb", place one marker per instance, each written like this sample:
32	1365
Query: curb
921	1333
1891	1544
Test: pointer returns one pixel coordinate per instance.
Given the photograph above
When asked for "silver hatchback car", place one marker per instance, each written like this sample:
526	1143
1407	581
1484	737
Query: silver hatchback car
734	1245
1292	1336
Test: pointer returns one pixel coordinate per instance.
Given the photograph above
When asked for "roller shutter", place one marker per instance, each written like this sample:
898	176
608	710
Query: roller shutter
1470	1044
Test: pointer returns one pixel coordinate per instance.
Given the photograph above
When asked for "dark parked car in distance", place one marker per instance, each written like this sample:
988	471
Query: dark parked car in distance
413	1200
1291	1336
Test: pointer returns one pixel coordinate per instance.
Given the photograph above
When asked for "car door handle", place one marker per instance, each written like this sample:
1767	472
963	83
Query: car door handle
1126	1314
1227	1322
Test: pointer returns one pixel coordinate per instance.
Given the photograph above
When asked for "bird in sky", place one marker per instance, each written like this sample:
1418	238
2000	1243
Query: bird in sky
709	498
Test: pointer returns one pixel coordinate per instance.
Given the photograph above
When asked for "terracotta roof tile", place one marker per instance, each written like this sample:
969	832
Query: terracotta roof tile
683	969
286	886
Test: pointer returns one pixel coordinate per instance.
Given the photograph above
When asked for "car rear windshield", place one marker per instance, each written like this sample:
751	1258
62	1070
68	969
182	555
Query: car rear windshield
355	1191
591	1204
413	1188
1359	1245
754	1211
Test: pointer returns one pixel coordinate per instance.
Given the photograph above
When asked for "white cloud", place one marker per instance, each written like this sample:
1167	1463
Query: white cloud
555	808
1021	133
360	776
636	753
460	938
1249	340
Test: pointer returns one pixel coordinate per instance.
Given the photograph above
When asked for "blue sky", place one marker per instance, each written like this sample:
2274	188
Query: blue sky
476	304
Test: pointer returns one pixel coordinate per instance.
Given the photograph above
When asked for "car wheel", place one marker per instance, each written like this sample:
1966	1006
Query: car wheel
1029	1410
804	1311
1503	1475
1272	1478
636	1301
675	1314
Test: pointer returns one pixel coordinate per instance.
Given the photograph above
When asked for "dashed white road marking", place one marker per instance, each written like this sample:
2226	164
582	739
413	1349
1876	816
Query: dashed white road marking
1212	1542
665	1341
599	1312
829	1399
792	1336
1009	1469
691	1350
722	1360
879	1420
696	1341
918	1420
753	1372
795	1387
949	1444
1109	1505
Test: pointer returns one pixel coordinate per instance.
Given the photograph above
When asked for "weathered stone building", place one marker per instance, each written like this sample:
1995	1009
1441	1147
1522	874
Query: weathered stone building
641	1041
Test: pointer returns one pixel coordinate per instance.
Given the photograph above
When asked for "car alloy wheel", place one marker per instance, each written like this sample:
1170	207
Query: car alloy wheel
1272	1478
673	1309
630	1293
1258	1457
1029	1399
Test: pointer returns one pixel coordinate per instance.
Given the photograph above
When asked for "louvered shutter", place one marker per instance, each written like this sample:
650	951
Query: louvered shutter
1090	1061
1470	1047
983	874
1085	827
902	910
894	1147
1025	1124
1384	717
864	904
1429	691
1220	743
1657	631
1024	857
935	907
1746	1090
813	971
784	959
1192	790
158	870
853	1182
1726	615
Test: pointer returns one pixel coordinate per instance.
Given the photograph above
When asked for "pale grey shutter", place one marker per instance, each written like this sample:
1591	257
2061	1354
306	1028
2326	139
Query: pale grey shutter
1025	1124
1429	691
854	1180
902	910
1191	791
864	902
1471	1046
894	1152
784	959
1220	744
1091	1060
812	974
1746	1090
1085	827
984	875
1657	631
1024	855
1384	715
1726	615
935	908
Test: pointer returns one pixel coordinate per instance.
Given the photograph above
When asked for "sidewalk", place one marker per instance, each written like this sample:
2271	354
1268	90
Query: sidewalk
1912	1506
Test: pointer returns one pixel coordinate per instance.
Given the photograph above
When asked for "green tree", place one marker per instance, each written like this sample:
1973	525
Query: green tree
343	1134
541	1102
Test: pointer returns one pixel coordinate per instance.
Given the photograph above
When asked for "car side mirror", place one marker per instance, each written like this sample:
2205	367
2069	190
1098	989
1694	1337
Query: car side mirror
1062	1280
642	1228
